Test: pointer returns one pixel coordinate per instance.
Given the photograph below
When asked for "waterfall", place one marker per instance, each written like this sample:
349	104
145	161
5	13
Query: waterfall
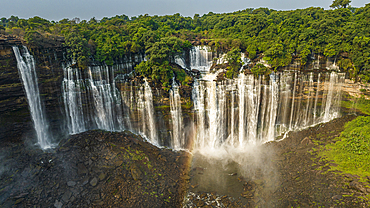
199	108
176	115
150	112
333	96
250	110
138	110
73	90
106	99
181	61
26	67
201	58
233	112
93	102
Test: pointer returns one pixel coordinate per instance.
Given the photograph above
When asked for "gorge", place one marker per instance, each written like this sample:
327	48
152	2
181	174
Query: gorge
214	117
255	108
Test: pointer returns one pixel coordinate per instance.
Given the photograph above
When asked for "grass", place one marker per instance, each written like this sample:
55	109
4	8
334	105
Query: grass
360	104
351	151
136	155
162	107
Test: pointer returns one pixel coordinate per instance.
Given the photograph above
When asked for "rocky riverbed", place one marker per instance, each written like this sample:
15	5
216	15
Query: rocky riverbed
120	169
94	169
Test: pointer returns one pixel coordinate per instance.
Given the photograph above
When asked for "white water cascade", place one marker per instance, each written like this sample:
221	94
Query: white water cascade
148	110
201	58
73	90
176	117
237	112
26	67
138	109
92	100
251	110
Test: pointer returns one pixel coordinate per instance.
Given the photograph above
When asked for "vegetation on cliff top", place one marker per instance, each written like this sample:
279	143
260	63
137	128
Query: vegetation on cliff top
280	36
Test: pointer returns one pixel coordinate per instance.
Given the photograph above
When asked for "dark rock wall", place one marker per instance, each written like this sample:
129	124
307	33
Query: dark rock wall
15	119
50	76
14	112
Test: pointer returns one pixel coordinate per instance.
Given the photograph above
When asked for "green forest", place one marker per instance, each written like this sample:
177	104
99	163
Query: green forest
279	37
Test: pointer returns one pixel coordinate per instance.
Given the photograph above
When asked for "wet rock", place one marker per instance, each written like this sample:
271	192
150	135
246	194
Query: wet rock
337	197
118	163
136	172
94	181
101	176
85	180
75	191
21	195
66	196
71	183
72	191
81	169
198	169
357	186
58	204
306	141
98	202
199	203
19	201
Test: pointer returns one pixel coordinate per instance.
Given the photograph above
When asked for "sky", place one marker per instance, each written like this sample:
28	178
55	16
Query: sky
86	9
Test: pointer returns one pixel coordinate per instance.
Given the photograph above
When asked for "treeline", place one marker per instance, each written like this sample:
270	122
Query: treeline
277	36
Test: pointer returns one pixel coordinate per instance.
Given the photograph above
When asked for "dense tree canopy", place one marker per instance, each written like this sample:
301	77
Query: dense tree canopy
278	36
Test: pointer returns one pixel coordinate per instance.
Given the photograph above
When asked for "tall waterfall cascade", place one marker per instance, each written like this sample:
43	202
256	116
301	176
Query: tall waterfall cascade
229	113
251	110
92	100
138	110
26	67
147	110
176	117
73	91
238	112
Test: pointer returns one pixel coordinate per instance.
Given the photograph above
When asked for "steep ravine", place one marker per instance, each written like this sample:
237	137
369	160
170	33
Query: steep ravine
120	169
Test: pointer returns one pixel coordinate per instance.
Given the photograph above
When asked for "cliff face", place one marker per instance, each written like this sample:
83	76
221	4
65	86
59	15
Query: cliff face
14	112
15	120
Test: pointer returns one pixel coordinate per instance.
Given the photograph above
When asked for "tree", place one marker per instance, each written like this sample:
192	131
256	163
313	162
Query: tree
260	69
78	50
277	56
340	3
165	50
234	60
